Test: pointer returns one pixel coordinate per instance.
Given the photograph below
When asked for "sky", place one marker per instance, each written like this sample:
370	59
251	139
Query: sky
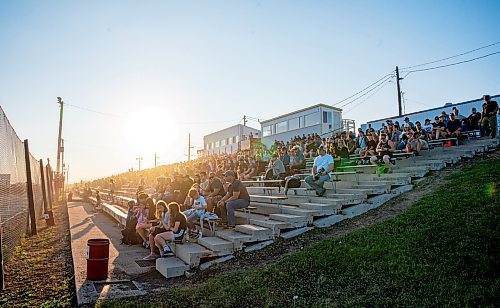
138	76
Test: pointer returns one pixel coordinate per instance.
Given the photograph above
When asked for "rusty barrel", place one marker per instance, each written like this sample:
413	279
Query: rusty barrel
97	259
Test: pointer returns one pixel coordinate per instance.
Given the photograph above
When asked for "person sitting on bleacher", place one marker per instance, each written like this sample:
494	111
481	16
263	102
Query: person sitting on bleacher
237	197
176	228
371	145
199	206
473	120
438	129
160	188
214	193
322	167
160	227
361	142
417	139
275	169
297	161
145	216
384	149
454	126
250	171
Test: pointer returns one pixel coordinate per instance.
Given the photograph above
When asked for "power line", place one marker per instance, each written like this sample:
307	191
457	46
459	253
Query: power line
391	73
386	80
94	111
447	58
452	64
378	89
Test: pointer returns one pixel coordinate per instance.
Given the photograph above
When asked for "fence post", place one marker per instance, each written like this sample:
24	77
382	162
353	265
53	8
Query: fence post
31	202
49	185
44	193
2	281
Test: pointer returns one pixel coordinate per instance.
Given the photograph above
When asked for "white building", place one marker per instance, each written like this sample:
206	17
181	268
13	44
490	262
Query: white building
318	119
227	140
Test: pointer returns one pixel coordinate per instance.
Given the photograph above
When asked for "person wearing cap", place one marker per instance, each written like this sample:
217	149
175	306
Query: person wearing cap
409	124
276	167
385	148
454	126
297	161
237	197
438	129
321	171
490	117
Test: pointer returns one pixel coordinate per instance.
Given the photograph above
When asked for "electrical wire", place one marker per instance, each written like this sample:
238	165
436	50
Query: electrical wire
386	80
447	58
452	64
360	91
375	92
94	111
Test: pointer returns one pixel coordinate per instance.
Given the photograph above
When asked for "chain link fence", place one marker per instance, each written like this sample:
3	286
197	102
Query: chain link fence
14	202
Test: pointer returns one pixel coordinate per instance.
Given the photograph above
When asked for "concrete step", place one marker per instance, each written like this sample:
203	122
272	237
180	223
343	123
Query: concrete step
256	232
415	172
191	253
275	225
380	189
217	245
324	209
294	220
268	209
237	238
171	267
365	191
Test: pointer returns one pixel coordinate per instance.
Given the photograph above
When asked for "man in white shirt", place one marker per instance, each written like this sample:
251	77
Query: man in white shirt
322	167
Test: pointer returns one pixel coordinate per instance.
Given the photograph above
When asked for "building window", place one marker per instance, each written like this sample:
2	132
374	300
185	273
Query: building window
223	142
217	144
327	117
281	127
293	123
234	139
311	119
266	131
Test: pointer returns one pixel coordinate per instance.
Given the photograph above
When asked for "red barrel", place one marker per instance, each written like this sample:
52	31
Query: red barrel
97	259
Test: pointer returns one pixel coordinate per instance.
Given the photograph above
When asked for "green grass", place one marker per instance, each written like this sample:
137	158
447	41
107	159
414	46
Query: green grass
443	251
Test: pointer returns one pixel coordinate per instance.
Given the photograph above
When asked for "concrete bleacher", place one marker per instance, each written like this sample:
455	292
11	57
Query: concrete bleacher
275	214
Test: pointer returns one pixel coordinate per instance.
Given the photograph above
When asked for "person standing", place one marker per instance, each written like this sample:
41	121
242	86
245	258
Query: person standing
490	117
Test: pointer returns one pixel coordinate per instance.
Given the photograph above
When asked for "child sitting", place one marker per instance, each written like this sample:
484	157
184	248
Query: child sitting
199	207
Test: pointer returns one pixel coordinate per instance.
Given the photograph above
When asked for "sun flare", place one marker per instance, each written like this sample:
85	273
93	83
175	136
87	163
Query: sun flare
150	130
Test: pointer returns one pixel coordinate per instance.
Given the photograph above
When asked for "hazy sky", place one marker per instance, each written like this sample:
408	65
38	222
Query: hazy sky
157	70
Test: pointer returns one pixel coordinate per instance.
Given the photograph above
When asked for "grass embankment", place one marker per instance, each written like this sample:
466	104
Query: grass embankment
40	272
442	251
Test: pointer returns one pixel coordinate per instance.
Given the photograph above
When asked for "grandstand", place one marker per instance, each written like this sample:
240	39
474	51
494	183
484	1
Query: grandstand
275	213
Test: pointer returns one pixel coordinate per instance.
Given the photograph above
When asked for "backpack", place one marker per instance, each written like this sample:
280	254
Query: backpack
291	182
130	237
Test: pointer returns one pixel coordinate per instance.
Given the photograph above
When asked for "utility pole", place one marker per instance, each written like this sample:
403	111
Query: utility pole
189	147
58	178
244	120
139	159
399	92
156	158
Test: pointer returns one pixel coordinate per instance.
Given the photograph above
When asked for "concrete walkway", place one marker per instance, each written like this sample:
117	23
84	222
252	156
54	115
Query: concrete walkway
122	268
